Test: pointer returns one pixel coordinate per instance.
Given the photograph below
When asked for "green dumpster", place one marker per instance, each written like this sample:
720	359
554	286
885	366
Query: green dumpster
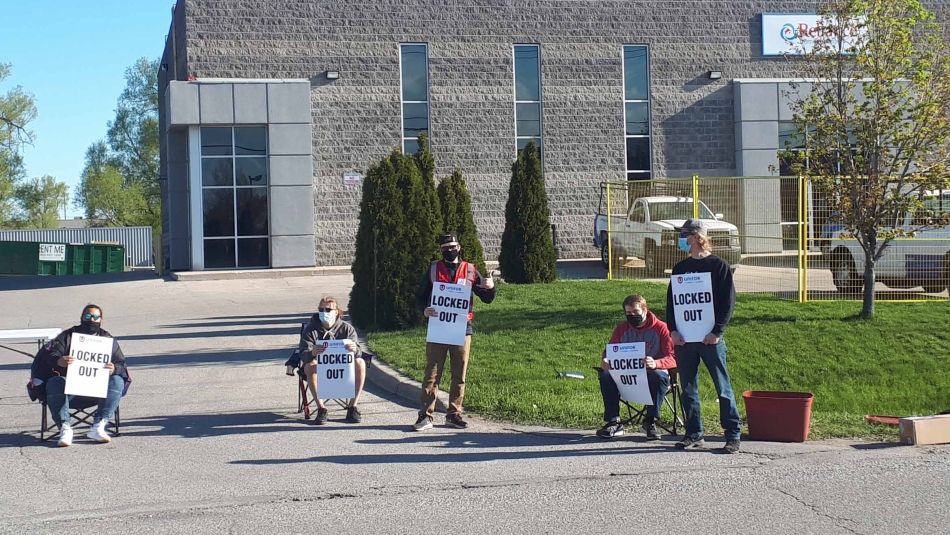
35	258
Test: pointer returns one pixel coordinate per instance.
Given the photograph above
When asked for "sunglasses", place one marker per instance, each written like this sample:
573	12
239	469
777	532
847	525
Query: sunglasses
87	316
325	309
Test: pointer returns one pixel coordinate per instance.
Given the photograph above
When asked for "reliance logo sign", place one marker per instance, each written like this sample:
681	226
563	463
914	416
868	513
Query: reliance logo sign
795	34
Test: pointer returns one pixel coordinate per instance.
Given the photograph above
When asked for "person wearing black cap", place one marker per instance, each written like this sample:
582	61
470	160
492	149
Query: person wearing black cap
451	269
711	350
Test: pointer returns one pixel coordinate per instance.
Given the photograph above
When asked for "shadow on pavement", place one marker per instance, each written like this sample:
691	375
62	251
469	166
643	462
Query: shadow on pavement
63	281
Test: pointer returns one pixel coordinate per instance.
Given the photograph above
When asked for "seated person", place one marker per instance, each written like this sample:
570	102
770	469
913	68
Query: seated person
327	324
49	372
641	326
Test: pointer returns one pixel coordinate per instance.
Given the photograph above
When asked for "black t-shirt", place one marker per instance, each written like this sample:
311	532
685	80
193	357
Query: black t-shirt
724	292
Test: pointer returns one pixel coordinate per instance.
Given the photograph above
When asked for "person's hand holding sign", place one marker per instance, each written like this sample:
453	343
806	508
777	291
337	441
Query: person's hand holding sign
65	361
111	367
430	312
605	365
649	363
351	347
710	339
677	338
317	349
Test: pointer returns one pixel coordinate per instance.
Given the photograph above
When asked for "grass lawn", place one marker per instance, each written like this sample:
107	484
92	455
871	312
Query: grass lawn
896	364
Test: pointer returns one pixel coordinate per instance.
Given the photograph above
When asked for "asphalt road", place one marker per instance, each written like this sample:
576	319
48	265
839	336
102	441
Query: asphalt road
211	444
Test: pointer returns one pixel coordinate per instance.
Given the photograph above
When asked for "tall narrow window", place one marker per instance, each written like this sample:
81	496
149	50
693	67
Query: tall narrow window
414	66
636	103
234	196
527	95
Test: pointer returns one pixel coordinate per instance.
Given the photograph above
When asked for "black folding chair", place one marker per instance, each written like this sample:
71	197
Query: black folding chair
81	411
635	414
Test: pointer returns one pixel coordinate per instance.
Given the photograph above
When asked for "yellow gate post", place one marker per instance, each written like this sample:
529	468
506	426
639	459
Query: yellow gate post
696	196
610	252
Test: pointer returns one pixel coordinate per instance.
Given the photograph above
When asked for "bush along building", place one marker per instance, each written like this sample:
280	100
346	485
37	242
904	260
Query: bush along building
271	113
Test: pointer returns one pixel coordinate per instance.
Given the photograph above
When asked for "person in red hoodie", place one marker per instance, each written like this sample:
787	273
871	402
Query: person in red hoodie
641	326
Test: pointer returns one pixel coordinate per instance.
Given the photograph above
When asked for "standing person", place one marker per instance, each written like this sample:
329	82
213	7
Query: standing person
327	324
451	269
641	326
712	350
50	366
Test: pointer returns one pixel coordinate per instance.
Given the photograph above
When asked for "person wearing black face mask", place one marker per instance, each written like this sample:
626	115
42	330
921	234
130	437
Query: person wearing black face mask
451	269
50	366
641	326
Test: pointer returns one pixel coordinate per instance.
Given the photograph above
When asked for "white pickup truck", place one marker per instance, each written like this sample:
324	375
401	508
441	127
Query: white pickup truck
650	230
908	262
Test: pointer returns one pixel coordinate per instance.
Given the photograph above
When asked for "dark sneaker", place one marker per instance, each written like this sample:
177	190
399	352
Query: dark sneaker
650	431
690	442
353	415
424	422
455	420
611	430
321	417
732	446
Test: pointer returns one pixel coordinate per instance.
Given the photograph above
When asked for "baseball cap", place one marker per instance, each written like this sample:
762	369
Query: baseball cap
693	226
448	240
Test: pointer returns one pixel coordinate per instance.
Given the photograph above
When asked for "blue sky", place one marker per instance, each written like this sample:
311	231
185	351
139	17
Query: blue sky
71	56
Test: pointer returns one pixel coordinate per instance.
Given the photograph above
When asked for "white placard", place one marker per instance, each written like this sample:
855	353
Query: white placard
352	178
693	305
628	370
52	252
87	375
794	34
336	372
451	302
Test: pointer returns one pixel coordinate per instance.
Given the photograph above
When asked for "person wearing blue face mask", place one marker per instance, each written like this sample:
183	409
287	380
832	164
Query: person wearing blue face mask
327	324
712	349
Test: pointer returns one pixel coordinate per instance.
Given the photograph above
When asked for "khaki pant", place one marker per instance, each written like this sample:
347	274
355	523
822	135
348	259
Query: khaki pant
435	365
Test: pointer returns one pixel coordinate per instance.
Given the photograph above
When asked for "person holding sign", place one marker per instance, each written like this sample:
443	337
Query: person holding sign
699	305
641	326
325	325
450	272
56	359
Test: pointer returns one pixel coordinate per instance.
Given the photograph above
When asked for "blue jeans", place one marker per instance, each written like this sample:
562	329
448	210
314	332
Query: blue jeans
58	401
714	357
659	382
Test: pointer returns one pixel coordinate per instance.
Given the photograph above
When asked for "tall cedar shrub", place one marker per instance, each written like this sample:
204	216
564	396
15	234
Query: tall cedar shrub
458	219
527	250
426	163
395	242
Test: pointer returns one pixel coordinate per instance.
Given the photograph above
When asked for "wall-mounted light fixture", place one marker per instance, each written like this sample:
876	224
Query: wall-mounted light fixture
714	75
332	75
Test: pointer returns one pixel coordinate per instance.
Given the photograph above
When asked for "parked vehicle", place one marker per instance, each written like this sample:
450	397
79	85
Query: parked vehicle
919	258
650	229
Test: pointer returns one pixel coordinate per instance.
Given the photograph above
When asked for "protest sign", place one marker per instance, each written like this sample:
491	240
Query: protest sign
336	372
87	375
693	305
628	370
451	302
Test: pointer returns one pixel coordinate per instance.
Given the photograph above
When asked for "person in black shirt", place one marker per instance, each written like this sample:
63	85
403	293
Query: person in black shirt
712	349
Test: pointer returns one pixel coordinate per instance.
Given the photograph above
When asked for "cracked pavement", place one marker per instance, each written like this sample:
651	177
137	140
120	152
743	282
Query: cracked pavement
211	443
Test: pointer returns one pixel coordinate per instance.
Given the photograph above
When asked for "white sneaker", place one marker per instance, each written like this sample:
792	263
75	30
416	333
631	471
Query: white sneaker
98	432
65	436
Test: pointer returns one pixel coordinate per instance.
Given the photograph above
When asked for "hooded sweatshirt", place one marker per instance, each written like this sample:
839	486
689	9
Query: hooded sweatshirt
340	330
654	334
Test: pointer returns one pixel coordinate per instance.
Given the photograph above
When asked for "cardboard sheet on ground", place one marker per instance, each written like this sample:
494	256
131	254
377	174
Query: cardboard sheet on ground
336	371
629	371
451	301
87	375
693	305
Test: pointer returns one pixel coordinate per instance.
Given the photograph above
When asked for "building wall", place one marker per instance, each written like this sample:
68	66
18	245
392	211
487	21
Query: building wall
356	119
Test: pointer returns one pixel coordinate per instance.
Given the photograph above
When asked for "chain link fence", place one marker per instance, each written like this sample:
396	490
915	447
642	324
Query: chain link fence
776	232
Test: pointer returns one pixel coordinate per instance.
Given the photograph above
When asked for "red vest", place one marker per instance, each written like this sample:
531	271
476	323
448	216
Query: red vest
464	274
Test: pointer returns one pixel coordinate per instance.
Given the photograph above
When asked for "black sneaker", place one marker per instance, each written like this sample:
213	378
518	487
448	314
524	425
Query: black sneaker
353	415
455	420
611	430
650	431
690	442
732	446
321	417
424	422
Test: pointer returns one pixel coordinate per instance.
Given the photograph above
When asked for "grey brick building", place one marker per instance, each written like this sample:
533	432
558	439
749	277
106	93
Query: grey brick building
289	96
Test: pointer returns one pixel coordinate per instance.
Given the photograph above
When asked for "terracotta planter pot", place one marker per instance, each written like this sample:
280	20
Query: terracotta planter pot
778	416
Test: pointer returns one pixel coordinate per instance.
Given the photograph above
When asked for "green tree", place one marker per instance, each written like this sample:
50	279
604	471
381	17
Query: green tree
40	200
527	250
16	112
876	121
458	219
106	196
426	164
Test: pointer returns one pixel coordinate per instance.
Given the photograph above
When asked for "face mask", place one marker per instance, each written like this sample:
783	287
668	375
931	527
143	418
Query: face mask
635	319
450	255
89	327
328	318
683	245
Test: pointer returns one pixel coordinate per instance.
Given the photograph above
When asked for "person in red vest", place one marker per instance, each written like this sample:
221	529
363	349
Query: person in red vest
451	269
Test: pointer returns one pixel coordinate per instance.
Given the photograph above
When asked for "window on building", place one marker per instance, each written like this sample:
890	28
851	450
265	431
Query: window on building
234	197
636	102
527	95
414	66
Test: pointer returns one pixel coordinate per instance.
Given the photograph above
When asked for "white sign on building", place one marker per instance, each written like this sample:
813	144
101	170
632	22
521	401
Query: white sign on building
52	252
795	34
352	178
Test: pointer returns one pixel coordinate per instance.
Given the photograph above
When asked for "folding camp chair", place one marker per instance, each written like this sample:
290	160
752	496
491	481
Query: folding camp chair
635	415
305	403
81	411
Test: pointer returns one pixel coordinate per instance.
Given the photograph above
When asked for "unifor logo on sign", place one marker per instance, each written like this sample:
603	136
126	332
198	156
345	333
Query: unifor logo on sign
795	34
